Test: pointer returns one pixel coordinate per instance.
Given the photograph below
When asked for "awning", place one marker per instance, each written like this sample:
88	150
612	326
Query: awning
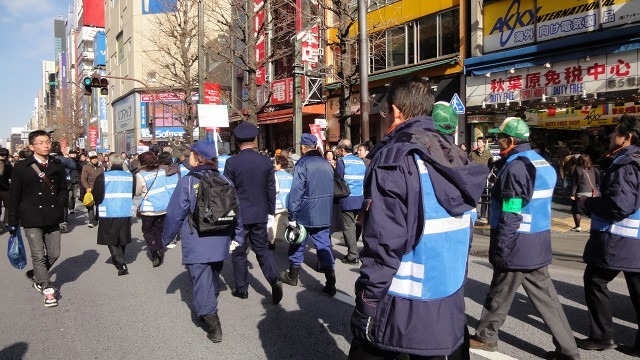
279	116
275	120
622	39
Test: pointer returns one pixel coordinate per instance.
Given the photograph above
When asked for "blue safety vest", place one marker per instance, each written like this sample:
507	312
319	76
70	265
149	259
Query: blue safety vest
157	197
284	180
183	170
437	265
354	169
222	160
118	195
172	181
628	227
536	215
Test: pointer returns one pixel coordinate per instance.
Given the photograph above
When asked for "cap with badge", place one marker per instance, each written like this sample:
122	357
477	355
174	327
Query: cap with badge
514	127
445	117
205	149
246	131
92	154
308	139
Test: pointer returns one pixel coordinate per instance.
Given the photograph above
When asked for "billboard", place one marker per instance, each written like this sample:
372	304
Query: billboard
92	14
100	49
158	6
513	23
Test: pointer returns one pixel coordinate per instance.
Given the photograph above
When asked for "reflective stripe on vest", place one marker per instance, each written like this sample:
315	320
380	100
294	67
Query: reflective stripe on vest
284	180
157	198
354	170
183	170
536	215
437	265
118	190
222	160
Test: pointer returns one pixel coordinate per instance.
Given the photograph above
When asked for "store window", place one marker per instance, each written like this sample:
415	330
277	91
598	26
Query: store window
449	32
120	43
428	43
396	47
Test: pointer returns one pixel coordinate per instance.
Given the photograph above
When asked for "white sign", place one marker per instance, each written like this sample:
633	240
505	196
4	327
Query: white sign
322	122
457	104
211	115
124	114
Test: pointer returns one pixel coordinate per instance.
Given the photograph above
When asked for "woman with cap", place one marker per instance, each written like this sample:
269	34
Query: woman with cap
151	186
90	172
202	255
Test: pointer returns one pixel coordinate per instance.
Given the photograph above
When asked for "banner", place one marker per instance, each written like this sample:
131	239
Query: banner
93	137
261	41
316	130
211	93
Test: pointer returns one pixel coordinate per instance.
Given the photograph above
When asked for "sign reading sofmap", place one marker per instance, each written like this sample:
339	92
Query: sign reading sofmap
512	23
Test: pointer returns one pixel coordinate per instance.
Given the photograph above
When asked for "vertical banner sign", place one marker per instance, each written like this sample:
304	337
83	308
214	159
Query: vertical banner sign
211	93
93	137
307	29
261	48
316	130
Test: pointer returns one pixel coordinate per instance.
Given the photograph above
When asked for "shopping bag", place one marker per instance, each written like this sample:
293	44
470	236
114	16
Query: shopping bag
88	199
15	251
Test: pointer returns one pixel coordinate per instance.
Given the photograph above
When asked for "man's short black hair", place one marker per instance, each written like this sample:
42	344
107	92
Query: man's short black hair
630	125
34	134
412	95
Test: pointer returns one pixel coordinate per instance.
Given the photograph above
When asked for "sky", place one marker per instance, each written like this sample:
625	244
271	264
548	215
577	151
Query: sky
26	38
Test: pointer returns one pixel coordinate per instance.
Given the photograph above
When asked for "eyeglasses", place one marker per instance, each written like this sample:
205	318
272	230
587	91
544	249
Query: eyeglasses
48	142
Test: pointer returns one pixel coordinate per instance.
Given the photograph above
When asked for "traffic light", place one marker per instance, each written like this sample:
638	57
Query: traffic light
96	81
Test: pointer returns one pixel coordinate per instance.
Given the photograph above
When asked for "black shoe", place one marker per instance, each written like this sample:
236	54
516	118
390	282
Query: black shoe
346	260
629	350
241	295
272	246
157	258
214	331
330	286
29	275
290	277
123	270
595	344
276	292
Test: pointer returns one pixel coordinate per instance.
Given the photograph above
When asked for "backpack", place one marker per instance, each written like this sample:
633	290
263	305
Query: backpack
216	208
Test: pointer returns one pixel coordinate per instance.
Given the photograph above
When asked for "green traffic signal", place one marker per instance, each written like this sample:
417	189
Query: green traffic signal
87	81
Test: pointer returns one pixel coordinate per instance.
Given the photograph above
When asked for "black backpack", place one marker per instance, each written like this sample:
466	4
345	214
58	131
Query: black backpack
216	210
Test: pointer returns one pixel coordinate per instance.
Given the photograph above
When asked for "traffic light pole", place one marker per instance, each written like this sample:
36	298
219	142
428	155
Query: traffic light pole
153	100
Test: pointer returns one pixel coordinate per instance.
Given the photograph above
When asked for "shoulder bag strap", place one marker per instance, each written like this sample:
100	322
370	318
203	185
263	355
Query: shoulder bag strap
43	176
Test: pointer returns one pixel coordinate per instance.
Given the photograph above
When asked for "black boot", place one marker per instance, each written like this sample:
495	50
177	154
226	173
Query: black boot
214	331
157	258
290	277
330	287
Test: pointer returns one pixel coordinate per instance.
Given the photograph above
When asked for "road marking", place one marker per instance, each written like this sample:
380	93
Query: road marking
493	355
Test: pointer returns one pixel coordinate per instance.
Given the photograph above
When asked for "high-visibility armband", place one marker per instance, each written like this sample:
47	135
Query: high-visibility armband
512	205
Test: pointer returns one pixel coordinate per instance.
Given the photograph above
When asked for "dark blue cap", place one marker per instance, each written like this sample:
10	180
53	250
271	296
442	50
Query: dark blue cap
205	149
308	139
246	130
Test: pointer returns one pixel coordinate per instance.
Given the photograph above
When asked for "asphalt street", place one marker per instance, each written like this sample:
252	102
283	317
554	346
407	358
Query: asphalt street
146	315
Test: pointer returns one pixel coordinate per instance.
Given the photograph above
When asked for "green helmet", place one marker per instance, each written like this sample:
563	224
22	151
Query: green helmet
295	236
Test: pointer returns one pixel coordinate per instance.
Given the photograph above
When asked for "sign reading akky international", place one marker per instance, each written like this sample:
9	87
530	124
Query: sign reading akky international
512	23
582	78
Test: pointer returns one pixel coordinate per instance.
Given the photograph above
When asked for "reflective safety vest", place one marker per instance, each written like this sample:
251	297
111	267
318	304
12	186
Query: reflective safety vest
437	265
118	195
284	180
536	215
183	170
354	169
157	197
172	181
222	160
628	227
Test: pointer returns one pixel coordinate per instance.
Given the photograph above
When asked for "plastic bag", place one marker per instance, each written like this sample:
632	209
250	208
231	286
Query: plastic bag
88	199
15	251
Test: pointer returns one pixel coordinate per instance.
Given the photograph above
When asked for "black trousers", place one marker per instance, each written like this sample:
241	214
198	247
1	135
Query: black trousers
117	255
256	237
364	350
598	298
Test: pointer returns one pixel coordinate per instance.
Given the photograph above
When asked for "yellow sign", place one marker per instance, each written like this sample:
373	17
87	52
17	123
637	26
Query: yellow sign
581	117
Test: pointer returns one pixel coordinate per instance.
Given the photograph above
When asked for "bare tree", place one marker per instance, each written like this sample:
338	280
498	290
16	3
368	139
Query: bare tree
68	118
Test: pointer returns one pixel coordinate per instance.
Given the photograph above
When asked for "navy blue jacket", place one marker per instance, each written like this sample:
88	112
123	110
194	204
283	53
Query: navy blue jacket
253	176
393	224
311	197
619	198
195	249
508	249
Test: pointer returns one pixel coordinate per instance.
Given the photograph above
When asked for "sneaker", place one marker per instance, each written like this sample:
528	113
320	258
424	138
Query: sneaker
474	343
346	260
64	228
123	270
38	287
171	245
49	297
576	229
91	225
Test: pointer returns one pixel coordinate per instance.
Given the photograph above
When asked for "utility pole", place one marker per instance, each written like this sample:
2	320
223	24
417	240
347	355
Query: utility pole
298	71
364	70
201	63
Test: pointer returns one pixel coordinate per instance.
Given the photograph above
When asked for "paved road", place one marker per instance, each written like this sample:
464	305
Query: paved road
146	314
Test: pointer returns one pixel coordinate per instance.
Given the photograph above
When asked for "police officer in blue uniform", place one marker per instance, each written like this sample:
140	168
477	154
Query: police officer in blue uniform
253	176
420	197
614	242
520	241
203	255
351	168
113	191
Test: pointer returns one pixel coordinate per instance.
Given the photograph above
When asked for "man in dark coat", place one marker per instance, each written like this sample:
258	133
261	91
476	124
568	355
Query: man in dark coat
5	183
613	244
36	203
253	176
115	210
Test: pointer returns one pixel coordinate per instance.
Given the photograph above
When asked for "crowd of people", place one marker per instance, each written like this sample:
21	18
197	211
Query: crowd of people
412	201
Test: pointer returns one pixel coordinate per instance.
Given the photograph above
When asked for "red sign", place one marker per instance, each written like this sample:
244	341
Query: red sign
261	76
93	137
211	93
316	130
282	91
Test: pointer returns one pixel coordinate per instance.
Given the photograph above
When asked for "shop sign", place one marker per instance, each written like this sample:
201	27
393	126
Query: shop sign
480	118
166	132
514	23
582	117
168	96
261	41
598	75
124	113
282	91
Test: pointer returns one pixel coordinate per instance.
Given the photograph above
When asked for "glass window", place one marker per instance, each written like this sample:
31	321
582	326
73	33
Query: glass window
411	43
450	30
120	43
377	52
396	51
428	37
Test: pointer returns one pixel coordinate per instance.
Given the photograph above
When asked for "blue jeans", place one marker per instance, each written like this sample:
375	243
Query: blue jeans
44	243
322	241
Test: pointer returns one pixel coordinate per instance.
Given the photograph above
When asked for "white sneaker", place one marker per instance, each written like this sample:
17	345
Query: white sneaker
91	225
49	297
171	245
576	229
